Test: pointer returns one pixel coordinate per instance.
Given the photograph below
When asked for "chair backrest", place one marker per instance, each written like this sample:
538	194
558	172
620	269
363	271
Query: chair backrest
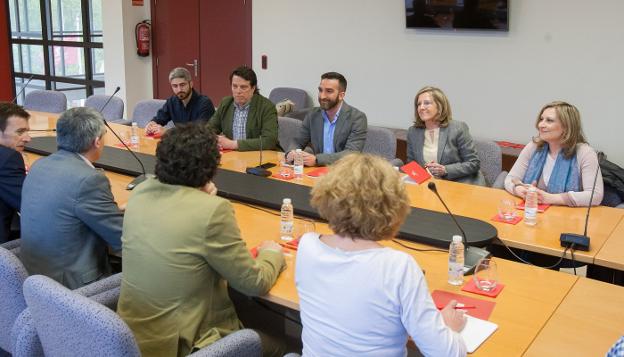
69	324
12	276
380	141
146	110
288	129
46	101
491	158
298	96
113	110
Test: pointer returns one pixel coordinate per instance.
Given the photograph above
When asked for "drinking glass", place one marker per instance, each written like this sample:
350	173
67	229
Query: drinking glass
506	209
486	275
304	226
281	158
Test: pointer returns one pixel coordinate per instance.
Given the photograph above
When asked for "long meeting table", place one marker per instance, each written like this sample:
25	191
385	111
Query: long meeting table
530	299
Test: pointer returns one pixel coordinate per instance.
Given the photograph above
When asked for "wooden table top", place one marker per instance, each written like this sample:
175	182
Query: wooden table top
482	203
519	311
611	254
466	200
587	323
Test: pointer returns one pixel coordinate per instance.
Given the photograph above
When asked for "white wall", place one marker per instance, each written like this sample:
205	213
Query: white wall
123	67
570	50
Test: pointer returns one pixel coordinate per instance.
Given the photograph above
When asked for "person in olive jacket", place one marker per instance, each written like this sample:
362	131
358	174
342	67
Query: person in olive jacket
246	117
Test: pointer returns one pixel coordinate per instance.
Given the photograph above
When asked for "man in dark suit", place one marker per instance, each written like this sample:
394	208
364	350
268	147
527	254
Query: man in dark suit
185	106
332	130
69	215
13	136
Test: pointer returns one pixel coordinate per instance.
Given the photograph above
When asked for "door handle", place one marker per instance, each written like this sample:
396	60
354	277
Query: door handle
195	65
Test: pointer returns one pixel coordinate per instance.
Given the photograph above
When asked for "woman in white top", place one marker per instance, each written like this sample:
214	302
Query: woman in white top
558	161
357	297
439	143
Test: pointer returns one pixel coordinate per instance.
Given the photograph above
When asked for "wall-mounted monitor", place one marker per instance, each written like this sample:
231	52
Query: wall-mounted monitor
457	14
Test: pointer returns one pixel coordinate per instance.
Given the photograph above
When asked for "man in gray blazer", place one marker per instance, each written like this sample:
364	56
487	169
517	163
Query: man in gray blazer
69	215
332	130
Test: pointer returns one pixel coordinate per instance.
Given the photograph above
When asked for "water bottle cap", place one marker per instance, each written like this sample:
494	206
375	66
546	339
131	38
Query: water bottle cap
135	123
457	239
286	201
298	150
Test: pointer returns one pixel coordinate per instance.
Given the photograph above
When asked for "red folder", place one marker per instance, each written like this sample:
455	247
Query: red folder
416	172
483	309
318	172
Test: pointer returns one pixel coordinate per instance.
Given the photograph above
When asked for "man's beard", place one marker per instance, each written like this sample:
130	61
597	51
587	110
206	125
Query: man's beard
328	104
184	95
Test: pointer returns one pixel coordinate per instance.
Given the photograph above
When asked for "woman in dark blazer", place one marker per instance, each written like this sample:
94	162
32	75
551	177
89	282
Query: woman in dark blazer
439	143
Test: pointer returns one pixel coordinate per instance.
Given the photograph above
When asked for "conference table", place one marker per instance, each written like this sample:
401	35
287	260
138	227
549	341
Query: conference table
588	321
532	296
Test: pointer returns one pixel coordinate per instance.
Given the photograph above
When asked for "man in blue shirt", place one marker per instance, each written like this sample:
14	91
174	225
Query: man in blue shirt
185	106
332	130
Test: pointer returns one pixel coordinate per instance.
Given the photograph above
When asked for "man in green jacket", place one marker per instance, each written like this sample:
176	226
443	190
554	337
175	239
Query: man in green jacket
182	249
245	118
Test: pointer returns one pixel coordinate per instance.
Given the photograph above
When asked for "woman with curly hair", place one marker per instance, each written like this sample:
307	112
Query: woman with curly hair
357	297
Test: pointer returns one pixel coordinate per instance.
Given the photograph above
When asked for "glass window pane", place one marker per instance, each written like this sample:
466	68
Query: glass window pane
99	90
97	54
25	19
95	12
66	20
28	58
69	62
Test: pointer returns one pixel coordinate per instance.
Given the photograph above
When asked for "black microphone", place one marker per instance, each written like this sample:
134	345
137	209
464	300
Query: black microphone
261	169
141	177
472	255
577	241
23	88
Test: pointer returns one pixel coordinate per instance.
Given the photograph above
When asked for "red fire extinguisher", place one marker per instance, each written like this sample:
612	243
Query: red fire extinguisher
142	34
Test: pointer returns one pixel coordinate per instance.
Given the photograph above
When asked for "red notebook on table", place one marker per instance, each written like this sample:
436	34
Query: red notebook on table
318	172
416	172
482	308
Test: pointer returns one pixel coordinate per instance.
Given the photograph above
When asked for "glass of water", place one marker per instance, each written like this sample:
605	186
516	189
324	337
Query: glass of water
486	275
506	209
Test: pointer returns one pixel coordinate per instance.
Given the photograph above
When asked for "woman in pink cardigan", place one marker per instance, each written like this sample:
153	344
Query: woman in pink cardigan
558	161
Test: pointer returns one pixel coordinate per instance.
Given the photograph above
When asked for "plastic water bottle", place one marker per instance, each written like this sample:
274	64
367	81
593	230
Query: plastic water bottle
530	206
287	222
134	135
298	164
456	261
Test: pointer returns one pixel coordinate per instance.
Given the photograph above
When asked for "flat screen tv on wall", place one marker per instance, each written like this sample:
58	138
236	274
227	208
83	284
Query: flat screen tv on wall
457	14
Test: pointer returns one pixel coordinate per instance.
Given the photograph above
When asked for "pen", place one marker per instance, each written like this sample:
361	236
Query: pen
467	307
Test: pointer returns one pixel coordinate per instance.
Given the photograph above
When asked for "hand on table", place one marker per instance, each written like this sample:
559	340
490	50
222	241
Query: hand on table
308	159
521	189
453	318
153	128
436	169
270	245
227	144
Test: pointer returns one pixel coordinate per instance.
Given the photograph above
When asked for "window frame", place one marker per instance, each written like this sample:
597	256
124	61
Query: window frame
48	43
